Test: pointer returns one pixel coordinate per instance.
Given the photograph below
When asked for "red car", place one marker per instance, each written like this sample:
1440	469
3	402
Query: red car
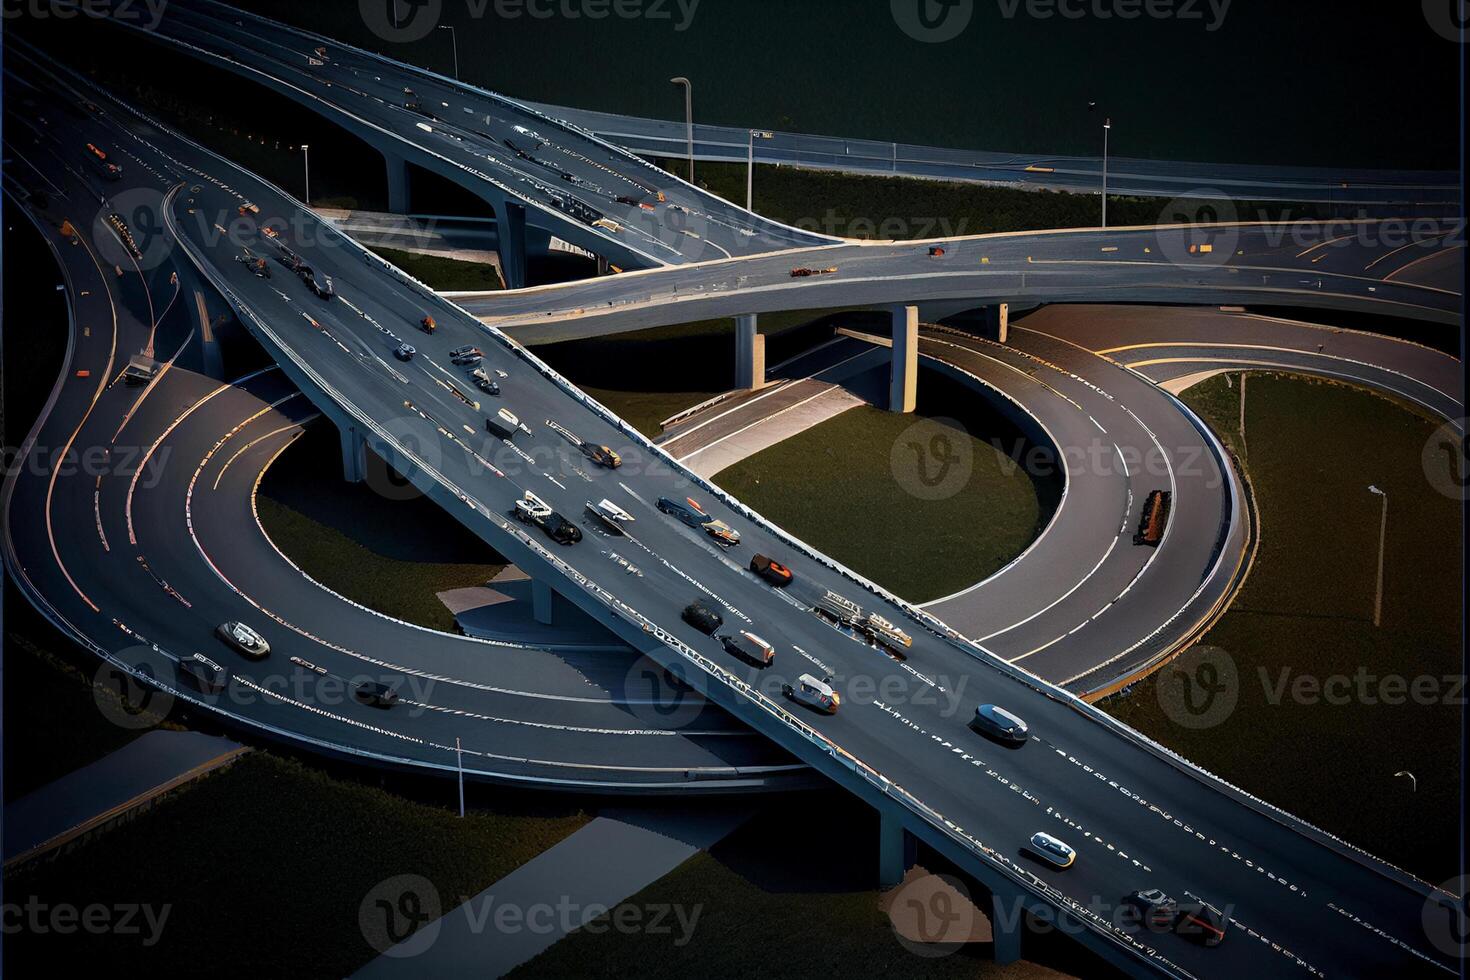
771	570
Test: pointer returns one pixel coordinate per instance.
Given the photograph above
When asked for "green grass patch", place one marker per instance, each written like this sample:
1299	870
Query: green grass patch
262	864
645	411
403	590
392	555
845	487
903	208
1312	449
444	274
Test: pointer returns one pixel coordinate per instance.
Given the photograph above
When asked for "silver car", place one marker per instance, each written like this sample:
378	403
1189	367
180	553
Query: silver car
244	639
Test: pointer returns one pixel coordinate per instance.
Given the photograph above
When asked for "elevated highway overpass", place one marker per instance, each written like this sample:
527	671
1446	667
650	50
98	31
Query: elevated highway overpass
1300	901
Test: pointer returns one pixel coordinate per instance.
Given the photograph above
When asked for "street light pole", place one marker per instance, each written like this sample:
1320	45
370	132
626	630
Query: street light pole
688	118
459	764
1382	542
306	160
454	43
1107	126
750	166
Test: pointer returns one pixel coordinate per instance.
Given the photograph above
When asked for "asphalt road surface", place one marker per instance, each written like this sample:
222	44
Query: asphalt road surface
1299	902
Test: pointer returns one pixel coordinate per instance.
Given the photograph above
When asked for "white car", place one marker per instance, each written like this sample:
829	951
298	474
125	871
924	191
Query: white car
1053	851
814	694
532	508
612	516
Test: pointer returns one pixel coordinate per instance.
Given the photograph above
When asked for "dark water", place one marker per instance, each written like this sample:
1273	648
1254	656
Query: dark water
1275	81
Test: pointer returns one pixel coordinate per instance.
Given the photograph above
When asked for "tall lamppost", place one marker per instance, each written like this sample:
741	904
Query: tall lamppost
1382	541
755	134
1107	127
306	161
454	43
688	118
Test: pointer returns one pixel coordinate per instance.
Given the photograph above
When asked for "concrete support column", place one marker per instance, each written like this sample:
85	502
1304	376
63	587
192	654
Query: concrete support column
903	380
997	321
750	353
1007	926
510	228
354	455
897	849
542	600
398	200
602	265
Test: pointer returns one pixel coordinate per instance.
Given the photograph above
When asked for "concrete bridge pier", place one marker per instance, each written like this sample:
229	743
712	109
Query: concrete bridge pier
750	352
898	849
354	454
997	321
1007	924
543	601
904	377
510	228
398	198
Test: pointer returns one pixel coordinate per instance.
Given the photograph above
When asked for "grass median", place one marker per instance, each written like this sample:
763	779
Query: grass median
391	555
442	273
264	864
1326	712
902	208
853	488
